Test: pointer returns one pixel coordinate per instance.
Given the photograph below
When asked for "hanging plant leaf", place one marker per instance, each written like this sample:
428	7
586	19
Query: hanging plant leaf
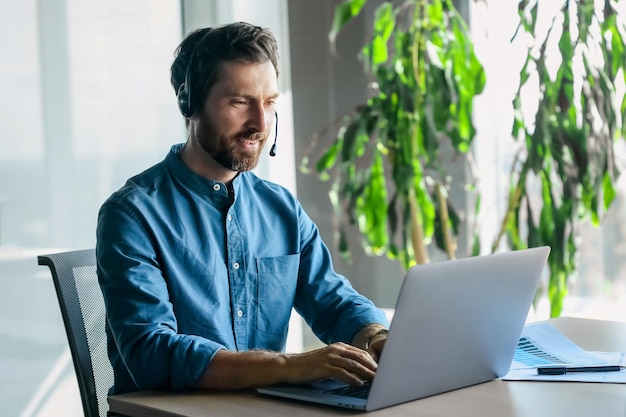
568	147
385	159
344	13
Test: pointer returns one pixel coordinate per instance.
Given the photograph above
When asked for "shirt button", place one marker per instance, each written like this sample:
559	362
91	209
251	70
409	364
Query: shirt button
236	265
216	187
239	313
230	218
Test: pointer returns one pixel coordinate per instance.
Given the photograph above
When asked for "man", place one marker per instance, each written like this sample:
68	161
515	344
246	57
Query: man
200	262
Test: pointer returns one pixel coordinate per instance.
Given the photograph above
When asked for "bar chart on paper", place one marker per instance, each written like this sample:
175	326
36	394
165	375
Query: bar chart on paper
530	355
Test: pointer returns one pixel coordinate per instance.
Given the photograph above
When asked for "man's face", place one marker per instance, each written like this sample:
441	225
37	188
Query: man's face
238	114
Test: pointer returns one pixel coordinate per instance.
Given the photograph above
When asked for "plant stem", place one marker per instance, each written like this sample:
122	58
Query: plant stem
512	204
417	24
417	231
450	244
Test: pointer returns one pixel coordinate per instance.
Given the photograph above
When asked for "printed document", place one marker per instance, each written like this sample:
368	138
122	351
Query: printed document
543	345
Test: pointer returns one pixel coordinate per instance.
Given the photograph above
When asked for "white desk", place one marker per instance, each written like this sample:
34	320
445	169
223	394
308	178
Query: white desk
492	399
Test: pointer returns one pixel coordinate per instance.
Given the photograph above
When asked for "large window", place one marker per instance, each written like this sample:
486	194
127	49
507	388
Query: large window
87	103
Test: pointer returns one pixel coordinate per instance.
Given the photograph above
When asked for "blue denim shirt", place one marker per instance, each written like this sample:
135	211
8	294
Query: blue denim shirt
188	268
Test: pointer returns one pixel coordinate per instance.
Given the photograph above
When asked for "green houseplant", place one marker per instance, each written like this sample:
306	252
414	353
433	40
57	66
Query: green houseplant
565	169
388	158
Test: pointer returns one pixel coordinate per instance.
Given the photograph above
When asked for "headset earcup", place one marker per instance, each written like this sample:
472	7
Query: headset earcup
184	100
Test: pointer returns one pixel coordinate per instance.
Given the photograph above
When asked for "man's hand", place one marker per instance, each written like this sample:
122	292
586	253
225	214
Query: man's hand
238	370
339	360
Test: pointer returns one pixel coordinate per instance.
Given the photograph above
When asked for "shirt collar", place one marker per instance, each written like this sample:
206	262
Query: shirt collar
202	185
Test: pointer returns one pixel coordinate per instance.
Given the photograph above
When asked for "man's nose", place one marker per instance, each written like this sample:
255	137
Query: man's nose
258	118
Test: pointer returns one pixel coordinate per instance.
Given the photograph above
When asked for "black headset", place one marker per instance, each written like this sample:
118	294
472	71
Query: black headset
184	96
185	103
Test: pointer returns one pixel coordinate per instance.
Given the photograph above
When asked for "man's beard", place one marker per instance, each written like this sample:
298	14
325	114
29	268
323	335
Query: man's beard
223	149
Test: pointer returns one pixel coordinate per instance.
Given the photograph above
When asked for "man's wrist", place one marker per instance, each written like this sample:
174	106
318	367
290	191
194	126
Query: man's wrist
367	334
370	338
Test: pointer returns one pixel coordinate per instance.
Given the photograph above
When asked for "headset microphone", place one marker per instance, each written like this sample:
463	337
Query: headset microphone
273	148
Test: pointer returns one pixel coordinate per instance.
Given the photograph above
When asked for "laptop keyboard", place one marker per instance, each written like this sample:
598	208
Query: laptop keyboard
349	391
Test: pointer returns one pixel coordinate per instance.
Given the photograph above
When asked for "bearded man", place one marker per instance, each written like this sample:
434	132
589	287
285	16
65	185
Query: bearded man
201	262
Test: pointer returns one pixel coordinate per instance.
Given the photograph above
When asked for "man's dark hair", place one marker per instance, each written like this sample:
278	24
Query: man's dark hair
200	55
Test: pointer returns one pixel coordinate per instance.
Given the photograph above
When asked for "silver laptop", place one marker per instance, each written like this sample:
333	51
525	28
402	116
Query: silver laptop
456	323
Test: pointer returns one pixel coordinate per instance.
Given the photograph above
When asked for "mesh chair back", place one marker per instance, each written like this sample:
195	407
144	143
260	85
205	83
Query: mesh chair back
82	308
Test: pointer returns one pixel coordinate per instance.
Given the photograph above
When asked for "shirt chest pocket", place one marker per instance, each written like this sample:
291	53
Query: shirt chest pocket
277	279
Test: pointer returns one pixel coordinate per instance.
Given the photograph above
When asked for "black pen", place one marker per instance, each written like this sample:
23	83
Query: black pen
562	370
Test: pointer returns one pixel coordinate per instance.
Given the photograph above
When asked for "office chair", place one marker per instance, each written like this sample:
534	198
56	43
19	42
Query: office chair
83	311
